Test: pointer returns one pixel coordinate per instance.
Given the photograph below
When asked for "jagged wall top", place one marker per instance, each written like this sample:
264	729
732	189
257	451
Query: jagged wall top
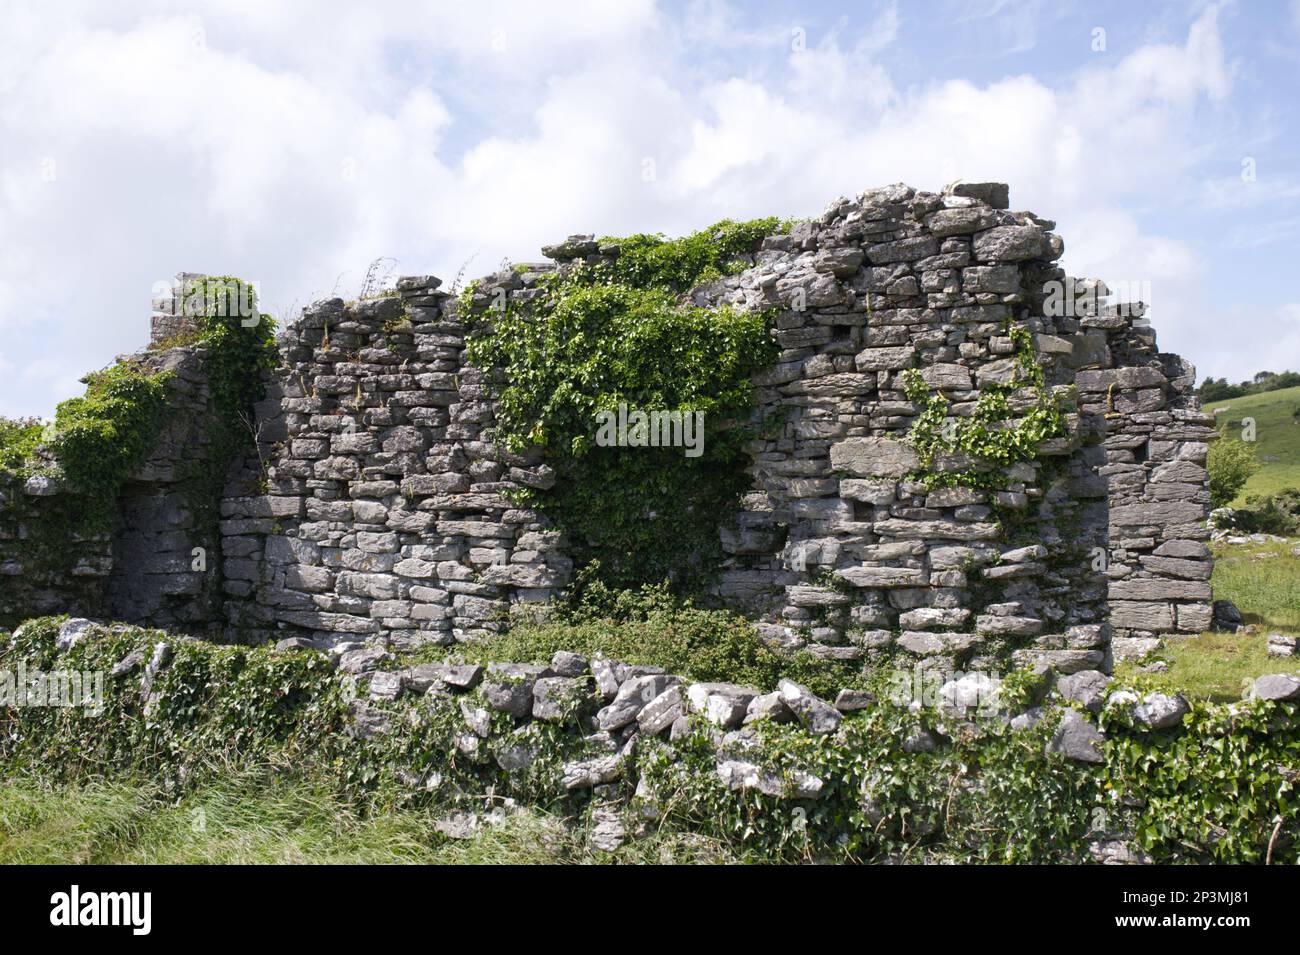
378	507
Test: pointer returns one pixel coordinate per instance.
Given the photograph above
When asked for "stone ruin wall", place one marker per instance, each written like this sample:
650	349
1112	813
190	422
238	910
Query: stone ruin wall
1112	518
145	570
377	507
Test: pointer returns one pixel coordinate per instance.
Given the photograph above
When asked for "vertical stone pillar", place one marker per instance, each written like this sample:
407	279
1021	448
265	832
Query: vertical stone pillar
169	320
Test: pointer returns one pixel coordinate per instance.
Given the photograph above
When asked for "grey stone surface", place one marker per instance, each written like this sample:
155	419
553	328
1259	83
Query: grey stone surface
661	712
851	701
1160	711
555	697
1087	688
1277	686
1077	739
816	715
377	509
508	687
607	831
584	774
1281	645
72	632
633	696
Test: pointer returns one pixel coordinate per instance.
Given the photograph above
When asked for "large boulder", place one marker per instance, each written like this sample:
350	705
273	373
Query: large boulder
1277	686
1077	739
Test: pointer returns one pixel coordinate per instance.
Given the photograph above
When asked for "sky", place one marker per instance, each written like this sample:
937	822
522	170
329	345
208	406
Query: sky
293	143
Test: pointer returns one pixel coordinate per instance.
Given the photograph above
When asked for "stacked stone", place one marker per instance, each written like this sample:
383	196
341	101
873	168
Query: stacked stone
614	703
379	505
170	320
860	559
609	708
35	582
165	557
1156	442
144	570
840	552
387	513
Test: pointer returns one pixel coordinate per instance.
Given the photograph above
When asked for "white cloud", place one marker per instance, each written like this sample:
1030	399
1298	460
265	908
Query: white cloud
292	143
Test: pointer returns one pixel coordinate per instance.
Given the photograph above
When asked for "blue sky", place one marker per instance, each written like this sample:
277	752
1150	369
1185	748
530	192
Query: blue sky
293	143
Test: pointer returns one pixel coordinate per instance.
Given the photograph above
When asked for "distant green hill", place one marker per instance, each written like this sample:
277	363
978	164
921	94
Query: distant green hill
1277	431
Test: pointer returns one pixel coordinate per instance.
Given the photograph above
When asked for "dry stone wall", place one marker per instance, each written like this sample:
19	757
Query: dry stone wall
35	580
839	545
386	513
378	509
160	564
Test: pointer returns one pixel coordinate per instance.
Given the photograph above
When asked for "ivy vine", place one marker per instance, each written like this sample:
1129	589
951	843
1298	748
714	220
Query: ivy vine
1004	428
1219	788
618	332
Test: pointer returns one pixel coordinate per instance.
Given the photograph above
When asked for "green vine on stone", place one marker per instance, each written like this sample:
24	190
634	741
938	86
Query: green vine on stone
619	332
98	440
1004	428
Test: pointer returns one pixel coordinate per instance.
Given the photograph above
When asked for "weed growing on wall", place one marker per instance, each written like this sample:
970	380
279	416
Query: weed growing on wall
239	348
650	626
617	333
19	439
101	437
1009	424
97	440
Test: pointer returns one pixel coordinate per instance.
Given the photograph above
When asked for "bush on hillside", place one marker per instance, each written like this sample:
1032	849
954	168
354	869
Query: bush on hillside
1270	513
1230	463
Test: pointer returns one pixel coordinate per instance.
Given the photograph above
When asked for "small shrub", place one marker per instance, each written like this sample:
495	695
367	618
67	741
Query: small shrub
104	435
651	626
1270	513
1231	464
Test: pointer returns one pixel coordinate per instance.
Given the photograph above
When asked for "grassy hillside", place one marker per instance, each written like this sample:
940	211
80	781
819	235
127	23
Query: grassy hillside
1277	431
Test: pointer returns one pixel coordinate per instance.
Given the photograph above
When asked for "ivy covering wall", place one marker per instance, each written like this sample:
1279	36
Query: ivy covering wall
618	332
63	479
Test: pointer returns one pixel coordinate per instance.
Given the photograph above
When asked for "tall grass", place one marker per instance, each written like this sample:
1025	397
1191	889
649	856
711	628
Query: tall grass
256	820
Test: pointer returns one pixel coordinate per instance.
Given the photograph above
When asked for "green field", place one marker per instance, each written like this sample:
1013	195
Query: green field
1263	580
1277	432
